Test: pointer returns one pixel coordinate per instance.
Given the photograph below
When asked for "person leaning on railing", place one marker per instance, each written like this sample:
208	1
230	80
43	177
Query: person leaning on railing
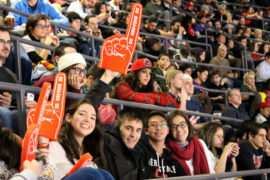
138	86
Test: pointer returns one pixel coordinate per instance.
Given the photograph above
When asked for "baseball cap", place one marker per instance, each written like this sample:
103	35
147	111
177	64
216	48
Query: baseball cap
140	64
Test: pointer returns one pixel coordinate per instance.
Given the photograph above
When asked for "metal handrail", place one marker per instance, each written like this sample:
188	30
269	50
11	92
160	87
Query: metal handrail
215	176
22	89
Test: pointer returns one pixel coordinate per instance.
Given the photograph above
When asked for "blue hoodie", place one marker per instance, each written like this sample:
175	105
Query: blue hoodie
43	7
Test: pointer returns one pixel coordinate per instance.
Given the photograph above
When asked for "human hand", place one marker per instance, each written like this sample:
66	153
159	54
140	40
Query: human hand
116	32
5	100
29	104
55	40
76	81
266	147
235	150
181	30
33	166
228	148
108	76
219	97
89	31
217	121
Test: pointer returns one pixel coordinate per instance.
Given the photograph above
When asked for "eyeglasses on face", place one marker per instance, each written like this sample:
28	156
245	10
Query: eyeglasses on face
78	70
3	42
182	125
40	26
155	124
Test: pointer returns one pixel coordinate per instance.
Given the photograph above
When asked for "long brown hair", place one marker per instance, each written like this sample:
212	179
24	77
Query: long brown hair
92	143
133	80
206	133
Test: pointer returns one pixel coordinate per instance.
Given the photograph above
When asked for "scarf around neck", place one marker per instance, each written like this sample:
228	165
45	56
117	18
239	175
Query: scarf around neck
195	151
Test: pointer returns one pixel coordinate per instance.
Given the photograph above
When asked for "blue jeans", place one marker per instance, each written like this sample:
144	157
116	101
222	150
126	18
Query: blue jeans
9	118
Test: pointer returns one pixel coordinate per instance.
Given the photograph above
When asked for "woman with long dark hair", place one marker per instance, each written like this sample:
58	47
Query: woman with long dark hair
138	86
81	131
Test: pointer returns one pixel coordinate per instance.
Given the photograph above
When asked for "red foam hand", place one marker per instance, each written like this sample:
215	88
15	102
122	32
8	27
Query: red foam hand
30	141
83	162
117	51
54	110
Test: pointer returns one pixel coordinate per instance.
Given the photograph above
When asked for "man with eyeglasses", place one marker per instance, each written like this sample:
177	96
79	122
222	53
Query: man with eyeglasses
38	30
255	152
8	115
158	161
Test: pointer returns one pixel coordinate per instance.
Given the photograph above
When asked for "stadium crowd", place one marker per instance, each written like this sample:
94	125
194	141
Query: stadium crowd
188	49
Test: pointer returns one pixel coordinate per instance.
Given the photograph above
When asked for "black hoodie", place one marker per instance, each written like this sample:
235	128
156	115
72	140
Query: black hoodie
123	163
159	167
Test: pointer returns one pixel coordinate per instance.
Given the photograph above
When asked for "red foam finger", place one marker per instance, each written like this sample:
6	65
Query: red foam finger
29	145
55	109
83	162
134	25
117	51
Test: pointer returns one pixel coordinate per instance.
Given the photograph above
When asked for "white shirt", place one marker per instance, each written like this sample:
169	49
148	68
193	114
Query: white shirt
77	7
208	153
57	157
260	118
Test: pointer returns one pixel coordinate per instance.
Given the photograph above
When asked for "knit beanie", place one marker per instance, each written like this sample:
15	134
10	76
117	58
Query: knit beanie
69	60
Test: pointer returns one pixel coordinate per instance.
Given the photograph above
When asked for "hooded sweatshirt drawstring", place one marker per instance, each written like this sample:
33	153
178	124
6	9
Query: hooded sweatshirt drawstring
162	167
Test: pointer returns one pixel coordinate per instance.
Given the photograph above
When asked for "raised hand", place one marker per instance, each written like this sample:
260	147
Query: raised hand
117	51
266	147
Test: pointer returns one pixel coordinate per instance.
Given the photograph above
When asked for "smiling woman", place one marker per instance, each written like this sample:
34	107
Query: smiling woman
191	153
80	132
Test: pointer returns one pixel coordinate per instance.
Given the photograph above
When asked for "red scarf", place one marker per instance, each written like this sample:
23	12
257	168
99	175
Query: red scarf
200	164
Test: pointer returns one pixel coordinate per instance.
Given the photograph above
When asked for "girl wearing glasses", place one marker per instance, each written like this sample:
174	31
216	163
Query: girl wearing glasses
73	64
223	158
192	153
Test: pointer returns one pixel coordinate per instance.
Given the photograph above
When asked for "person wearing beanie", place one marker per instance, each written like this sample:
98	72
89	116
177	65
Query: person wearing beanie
74	66
138	86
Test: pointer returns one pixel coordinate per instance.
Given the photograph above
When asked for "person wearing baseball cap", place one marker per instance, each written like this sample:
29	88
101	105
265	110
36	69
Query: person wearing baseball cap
138	85
264	111
73	65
